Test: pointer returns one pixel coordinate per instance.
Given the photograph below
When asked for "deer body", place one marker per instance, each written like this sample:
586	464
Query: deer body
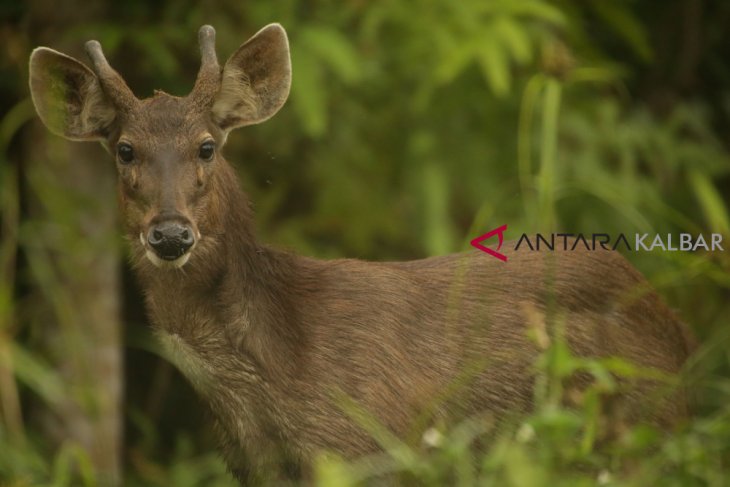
273	344
273	341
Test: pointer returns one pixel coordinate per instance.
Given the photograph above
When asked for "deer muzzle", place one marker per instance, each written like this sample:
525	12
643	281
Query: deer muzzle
170	242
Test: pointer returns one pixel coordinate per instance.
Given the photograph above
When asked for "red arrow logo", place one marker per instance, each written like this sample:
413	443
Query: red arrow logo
477	242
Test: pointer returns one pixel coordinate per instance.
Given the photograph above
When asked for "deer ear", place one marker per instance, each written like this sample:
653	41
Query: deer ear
68	97
255	81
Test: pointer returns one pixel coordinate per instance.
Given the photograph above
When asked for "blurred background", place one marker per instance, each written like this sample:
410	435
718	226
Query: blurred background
412	127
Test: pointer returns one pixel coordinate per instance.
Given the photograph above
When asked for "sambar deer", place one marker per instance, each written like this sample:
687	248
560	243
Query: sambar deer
271	340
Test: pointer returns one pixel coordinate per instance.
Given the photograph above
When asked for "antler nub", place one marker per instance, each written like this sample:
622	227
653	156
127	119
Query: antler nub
206	84
111	82
206	39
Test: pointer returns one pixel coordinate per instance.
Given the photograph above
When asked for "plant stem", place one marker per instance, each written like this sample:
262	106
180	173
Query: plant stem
548	154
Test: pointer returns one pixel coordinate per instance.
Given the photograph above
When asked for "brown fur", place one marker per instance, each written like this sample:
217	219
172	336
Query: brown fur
273	341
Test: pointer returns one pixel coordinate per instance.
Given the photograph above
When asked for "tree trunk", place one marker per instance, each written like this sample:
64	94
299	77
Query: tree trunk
73	256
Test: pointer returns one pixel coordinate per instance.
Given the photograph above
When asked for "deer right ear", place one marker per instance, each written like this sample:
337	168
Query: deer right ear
255	81
68	96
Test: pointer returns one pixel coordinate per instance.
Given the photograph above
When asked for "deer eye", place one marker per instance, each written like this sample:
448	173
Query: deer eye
125	153
206	151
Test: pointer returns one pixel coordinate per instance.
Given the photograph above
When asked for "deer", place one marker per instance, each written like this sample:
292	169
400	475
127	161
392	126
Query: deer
272	341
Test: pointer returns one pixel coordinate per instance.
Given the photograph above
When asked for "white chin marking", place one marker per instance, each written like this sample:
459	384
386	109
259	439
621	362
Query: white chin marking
167	264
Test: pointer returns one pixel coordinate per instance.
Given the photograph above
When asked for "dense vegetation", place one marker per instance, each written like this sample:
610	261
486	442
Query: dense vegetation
412	127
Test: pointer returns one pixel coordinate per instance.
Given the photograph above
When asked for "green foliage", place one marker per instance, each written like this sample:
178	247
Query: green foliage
186	468
413	126
317	53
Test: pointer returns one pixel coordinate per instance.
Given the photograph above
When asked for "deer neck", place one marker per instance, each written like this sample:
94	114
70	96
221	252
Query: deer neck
233	298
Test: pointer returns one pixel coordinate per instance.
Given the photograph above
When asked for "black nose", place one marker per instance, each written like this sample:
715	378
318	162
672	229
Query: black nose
170	240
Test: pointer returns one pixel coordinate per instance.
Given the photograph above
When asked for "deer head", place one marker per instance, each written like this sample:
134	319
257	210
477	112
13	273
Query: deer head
167	148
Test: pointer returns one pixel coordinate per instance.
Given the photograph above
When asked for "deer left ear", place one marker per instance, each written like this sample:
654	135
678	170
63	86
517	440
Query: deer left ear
68	96
255	81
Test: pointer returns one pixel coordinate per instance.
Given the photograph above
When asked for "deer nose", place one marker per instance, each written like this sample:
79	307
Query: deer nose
170	240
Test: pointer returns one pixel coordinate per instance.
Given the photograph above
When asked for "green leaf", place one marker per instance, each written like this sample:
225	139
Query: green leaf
332	472
38	375
625	25
454	59
331	47
515	37
711	201
537	9
494	64
72	463
307	94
